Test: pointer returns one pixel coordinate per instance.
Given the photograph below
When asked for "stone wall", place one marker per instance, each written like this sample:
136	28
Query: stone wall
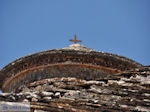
84	71
122	92
66	56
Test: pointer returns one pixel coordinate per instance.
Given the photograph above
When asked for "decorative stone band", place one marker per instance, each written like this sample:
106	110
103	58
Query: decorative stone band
81	71
65	56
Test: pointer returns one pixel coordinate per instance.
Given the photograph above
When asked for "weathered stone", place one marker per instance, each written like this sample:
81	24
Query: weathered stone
25	100
47	99
34	99
46	94
77	79
41	63
57	94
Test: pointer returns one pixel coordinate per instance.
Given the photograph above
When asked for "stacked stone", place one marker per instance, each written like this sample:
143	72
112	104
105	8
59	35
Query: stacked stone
77	79
52	63
122	92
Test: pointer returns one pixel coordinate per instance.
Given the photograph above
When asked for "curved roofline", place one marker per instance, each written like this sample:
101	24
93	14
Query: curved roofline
48	51
92	57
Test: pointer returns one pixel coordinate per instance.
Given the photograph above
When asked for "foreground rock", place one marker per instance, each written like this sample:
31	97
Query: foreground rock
123	92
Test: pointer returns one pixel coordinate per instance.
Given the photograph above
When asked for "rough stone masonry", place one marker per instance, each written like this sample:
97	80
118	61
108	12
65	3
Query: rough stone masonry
77	79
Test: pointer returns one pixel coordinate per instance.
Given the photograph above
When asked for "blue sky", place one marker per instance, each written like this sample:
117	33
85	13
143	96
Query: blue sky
116	26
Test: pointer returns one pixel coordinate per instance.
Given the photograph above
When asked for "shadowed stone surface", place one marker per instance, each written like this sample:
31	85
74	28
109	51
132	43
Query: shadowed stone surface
73	54
123	92
77	79
83	71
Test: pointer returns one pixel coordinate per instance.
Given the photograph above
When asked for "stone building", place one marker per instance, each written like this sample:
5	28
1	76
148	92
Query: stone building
77	79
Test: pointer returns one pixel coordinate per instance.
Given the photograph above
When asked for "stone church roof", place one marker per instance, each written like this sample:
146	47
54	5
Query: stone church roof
124	92
77	79
74	55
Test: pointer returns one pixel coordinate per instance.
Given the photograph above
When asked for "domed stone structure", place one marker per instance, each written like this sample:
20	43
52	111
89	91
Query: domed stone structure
77	79
74	61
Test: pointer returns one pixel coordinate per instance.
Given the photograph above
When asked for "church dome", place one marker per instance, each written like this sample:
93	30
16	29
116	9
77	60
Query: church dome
73	61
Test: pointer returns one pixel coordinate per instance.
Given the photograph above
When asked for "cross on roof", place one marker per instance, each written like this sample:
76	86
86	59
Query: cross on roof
75	39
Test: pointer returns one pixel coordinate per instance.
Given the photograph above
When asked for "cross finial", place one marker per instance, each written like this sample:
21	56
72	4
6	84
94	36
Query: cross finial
75	39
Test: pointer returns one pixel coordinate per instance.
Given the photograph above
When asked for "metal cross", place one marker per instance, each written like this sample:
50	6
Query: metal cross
75	39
